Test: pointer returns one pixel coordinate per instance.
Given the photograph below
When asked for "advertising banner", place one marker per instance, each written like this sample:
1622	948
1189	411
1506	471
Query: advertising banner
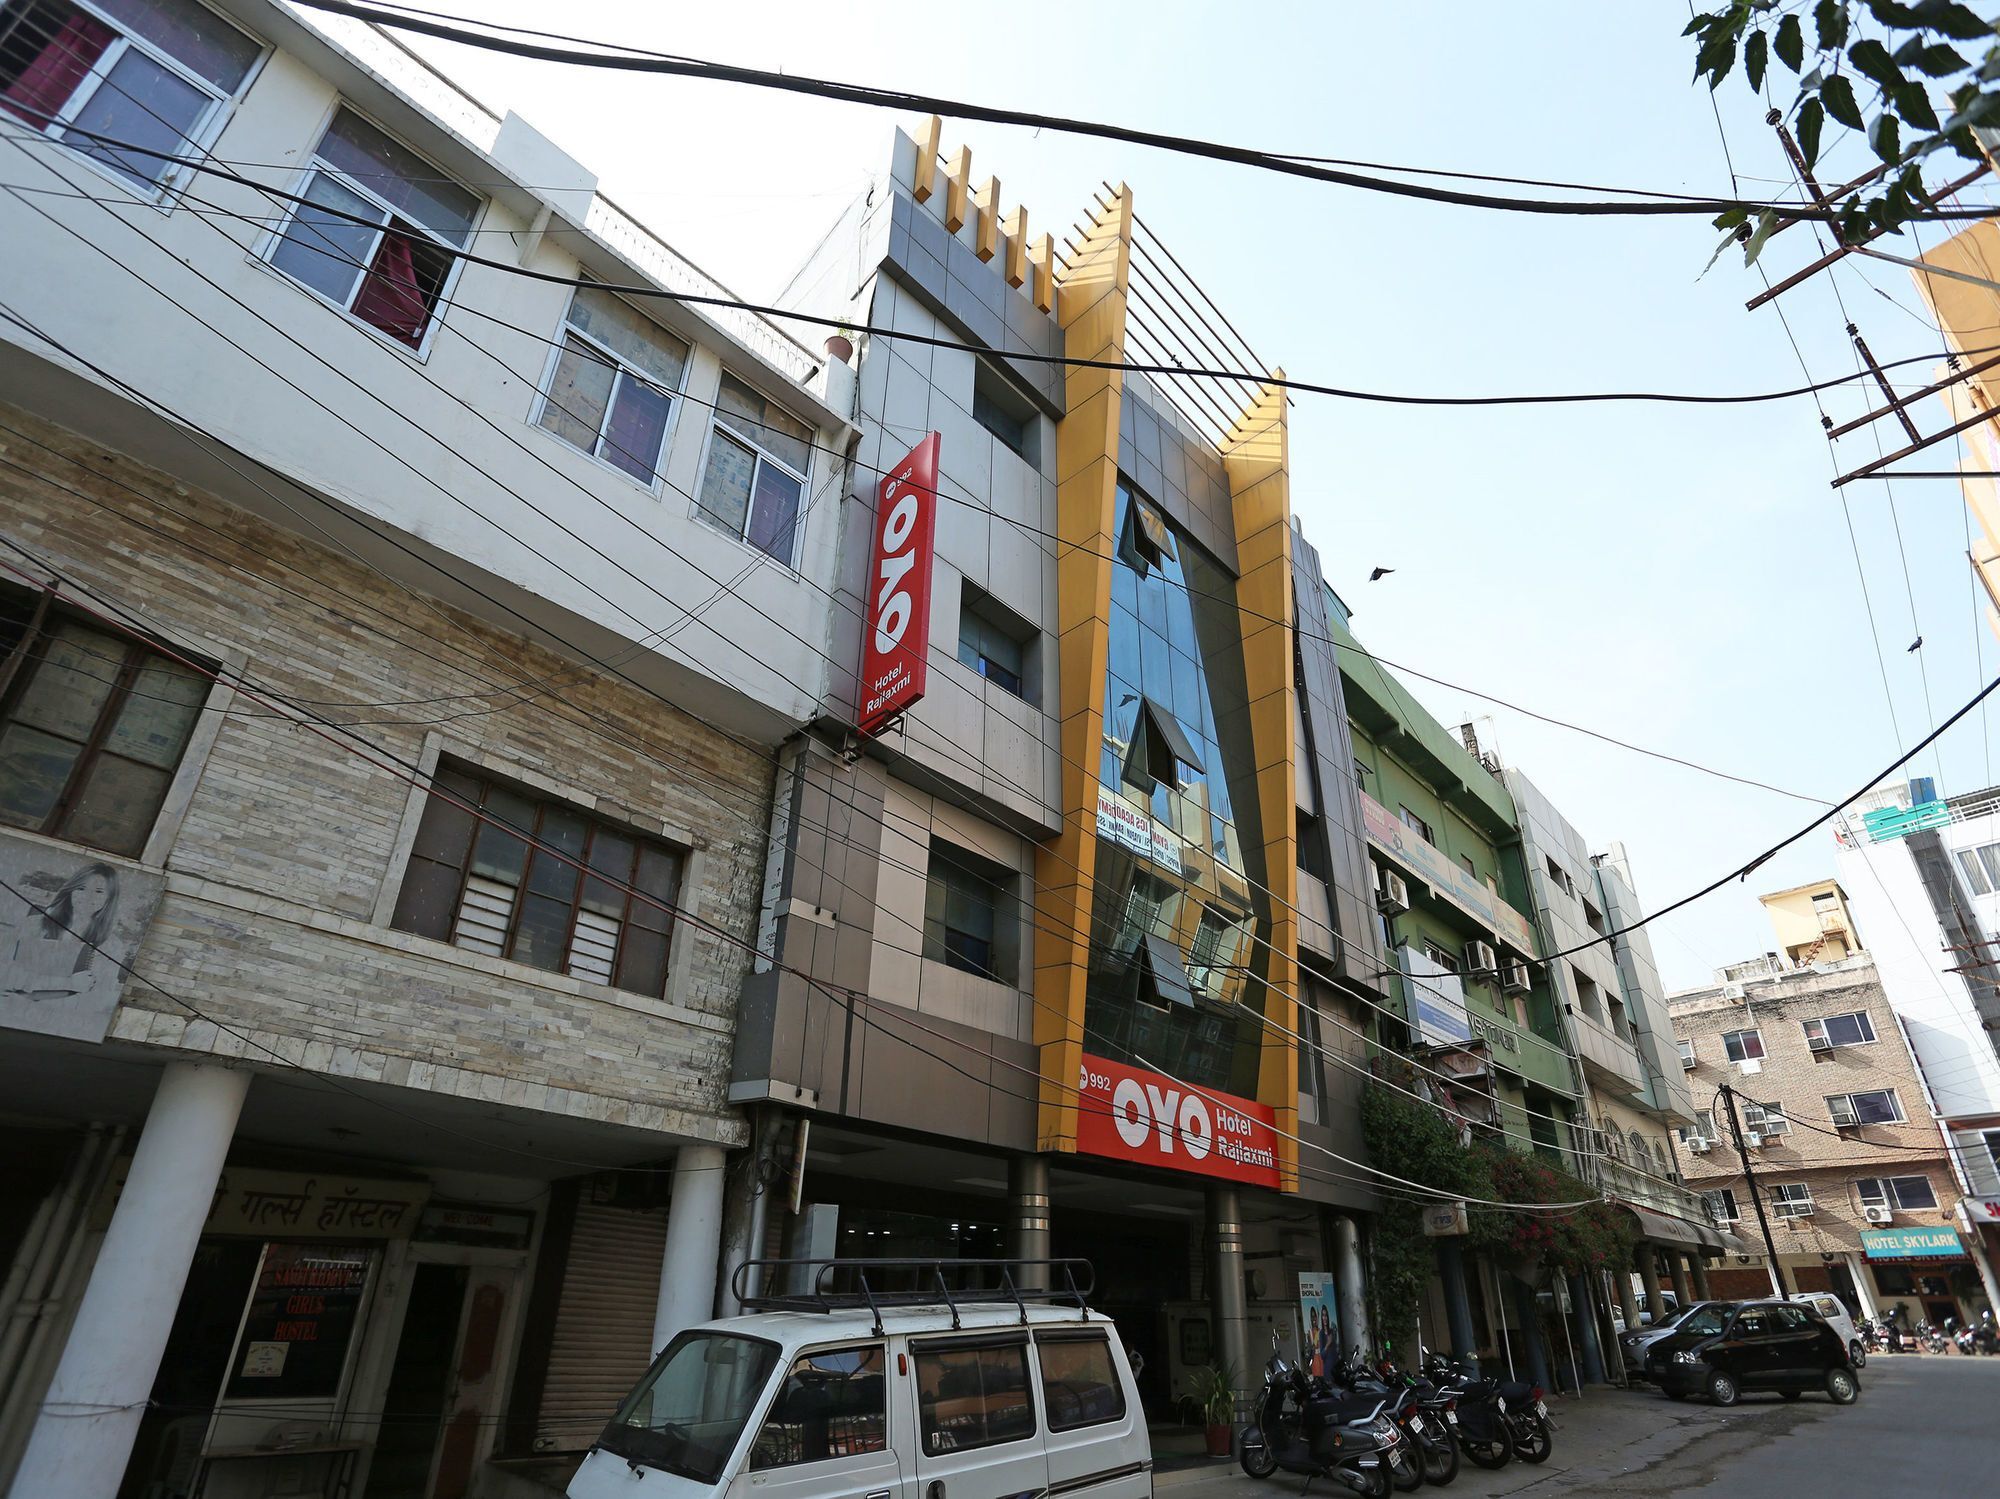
1912	1244
1137	829
896	632
1131	1114
69	926
1318	1314
1404	845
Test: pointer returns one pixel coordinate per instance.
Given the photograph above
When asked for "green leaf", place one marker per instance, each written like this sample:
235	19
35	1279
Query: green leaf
1790	44
1767	223
1886	136
1961	141
1853	222
1716	58
1948	18
1871	59
1895	13
1731	218
1990	68
1838	95
1756	57
1914	105
1932	59
1811	118
1830	19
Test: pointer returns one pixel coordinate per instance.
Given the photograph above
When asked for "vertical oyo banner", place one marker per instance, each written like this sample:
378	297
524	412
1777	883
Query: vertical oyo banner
896	632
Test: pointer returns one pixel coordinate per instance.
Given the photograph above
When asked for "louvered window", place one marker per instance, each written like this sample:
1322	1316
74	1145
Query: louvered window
498	871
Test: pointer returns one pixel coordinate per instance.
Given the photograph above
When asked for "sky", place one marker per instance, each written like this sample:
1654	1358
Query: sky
1682	577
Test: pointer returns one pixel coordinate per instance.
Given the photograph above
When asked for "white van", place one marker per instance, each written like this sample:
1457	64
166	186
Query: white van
872	1394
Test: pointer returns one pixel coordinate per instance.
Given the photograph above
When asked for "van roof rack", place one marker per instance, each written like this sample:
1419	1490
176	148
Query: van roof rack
847	1284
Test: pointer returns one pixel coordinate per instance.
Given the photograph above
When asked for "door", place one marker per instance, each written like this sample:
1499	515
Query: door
1746	1352
413	1409
1798	1354
1096	1442
826	1434
978	1436
474	1402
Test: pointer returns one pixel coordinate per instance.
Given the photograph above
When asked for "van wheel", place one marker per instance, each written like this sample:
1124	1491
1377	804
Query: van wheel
1722	1390
1842	1386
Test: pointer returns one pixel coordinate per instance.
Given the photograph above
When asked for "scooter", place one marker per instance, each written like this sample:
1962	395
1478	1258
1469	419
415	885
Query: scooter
1498	1419
1302	1427
1986	1337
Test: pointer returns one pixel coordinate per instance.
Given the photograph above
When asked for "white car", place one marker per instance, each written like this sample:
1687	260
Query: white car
826	1399
1833	1312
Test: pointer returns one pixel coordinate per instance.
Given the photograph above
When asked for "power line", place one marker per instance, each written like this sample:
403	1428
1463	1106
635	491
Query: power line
622	57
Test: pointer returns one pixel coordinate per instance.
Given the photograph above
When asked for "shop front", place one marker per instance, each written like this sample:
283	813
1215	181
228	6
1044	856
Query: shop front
1926	1273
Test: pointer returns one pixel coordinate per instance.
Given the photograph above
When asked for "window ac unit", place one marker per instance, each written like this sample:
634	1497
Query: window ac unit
1687	1061
1480	957
1392	893
1792	1209
1844	1116
1752	1140
1875	1213
1514	978
1818	1043
1699	1144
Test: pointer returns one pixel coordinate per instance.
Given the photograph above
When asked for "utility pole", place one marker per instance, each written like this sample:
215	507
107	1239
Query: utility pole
1750	1185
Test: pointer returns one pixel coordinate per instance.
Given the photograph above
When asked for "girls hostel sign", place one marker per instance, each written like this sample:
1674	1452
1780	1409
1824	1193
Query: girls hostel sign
896	627
1131	1114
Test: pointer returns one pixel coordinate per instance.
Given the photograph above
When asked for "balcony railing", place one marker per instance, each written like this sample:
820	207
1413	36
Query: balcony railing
1624	1182
1610	1055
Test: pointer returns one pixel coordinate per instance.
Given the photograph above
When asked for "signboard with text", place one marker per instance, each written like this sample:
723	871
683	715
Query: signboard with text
1451	881
1912	1244
1137	829
896	627
1132	1114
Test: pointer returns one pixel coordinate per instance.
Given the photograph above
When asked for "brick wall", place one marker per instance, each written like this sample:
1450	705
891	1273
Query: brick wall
277	872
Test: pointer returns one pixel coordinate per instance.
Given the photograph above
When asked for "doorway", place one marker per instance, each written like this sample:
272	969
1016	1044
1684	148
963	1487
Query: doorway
420	1384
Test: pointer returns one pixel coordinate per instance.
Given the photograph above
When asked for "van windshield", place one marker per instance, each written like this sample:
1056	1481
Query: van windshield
685	1416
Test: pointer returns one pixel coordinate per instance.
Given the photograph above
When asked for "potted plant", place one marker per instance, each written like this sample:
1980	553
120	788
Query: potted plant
1212	1390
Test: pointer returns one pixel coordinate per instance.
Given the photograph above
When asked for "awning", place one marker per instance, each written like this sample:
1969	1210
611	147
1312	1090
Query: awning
1913	1244
1666	1229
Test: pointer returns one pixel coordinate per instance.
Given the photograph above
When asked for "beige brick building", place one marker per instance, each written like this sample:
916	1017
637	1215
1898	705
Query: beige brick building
1848	1161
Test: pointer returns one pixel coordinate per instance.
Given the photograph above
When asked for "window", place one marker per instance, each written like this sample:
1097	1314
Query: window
1005	412
686	1415
1212	955
1146	540
1765	1119
1703	1127
1465	863
1907	1193
612	389
994	641
1742	1046
1593	918
376	230
477	885
963	898
1415	824
1840	1030
1791	1318
1443	957
92	729
1981	867
1360	775
1877	1107
832	1404
1791	1200
1159	748
973	1396
1079	1382
1684	1045
1721	1205
154	74
758	459
1638	1144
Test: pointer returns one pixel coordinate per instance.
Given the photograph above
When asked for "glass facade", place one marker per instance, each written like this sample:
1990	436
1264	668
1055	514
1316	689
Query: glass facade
1174	959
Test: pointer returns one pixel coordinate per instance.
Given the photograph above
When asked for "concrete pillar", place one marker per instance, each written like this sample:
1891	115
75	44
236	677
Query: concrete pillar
1647	1263
1975	1245
1628	1301
747	1198
1584	1307
1528	1311
1351	1285
1028	1220
1225	1283
1864	1286
814	1235
1683	1287
82	1438
1699	1263
1457	1299
694	1241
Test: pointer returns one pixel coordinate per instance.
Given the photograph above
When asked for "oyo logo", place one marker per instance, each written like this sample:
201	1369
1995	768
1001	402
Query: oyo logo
1142	1110
893	604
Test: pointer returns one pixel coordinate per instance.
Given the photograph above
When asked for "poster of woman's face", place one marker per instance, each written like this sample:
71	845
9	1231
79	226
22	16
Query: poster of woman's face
68	926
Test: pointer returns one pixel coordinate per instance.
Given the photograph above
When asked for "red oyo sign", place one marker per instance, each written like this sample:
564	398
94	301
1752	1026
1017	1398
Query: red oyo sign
896	632
1132	1114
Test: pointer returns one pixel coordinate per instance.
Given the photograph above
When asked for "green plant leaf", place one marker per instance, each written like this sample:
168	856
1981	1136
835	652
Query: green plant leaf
1871	59
1838	96
1767	223
1886	136
1717	57
1932	59
1731	218
1756	57
1961	140
1790	44
1914	105
1948	18
1895	13
1830	20
1812	115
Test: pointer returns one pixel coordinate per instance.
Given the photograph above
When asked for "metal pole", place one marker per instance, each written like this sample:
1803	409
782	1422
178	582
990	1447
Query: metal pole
1557	1290
1500	1316
1750	1185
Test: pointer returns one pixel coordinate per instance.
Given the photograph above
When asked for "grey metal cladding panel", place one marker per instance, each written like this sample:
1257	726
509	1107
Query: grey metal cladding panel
981	278
964	306
926	233
935	1076
1325	706
1128	457
1316	1182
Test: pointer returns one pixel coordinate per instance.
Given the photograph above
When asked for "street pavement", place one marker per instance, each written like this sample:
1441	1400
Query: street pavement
1924	1421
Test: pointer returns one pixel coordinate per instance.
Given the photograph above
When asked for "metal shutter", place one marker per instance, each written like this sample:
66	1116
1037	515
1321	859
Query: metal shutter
604	1322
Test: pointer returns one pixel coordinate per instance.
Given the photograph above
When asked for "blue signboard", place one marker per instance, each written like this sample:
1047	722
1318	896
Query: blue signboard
1912	1244
1899	822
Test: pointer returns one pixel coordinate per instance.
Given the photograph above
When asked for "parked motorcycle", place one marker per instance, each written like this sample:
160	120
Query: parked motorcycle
1986	1337
1304	1427
1426	1416
1932	1339
1498	1419
1962	1338
1870	1334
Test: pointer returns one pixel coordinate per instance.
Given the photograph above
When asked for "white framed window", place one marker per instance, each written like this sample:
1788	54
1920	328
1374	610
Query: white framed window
376	231
1743	1046
1879	1106
1981	868
155	75
1791	1200
613	384
1765	1119
1906	1193
1703	1127
1684	1047
759	459
1854	1029
1722	1205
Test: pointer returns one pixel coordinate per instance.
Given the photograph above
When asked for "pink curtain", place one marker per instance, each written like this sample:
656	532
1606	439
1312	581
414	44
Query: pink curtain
391	298
45	85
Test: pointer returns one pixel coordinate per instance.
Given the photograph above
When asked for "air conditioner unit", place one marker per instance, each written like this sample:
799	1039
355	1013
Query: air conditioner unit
1876	1214
1480	957
1699	1144
1687	1061
1818	1043
1792	1209
1752	1140
1392	893
1844	1116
